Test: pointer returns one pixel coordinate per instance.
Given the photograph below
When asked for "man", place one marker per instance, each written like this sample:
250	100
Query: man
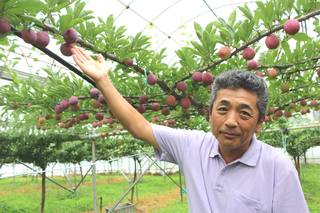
228	170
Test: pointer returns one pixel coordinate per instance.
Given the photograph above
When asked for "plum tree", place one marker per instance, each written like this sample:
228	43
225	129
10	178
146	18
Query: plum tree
303	102
224	52
128	61
291	26
197	76
101	99
314	103
181	86
272	72
42	39
287	114
248	53
284	87
207	78
29	36
70	36
278	113
272	41
259	73
165	111
185	103
94	92
318	72
75	107
252	64
73	100
141	108
155	106
4	26
171	100
151	79
143	99
99	116
65	49
96	104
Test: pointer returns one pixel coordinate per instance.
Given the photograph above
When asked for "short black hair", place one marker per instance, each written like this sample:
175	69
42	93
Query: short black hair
246	80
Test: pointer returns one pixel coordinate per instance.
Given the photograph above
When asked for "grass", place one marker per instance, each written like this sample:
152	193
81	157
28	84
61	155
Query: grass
175	206
23	194
155	192
310	181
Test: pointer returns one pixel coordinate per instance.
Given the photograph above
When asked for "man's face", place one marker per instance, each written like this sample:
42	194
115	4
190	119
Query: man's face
234	119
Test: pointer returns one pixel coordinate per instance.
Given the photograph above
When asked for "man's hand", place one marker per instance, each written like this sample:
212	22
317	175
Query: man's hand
95	69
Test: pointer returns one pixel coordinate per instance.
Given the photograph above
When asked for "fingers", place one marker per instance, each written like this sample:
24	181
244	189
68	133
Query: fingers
100	58
84	54
76	59
78	55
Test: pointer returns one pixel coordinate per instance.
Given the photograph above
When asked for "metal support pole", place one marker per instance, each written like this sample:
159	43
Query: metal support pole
46	177
165	172
75	188
132	185
94	180
181	191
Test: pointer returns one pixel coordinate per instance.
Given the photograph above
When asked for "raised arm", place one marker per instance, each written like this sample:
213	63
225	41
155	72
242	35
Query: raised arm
128	116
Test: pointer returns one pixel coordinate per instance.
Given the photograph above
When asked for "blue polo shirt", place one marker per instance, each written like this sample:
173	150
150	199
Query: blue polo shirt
261	180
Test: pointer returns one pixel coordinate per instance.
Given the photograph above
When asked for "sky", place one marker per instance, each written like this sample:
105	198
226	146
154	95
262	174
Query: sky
174	18
169	18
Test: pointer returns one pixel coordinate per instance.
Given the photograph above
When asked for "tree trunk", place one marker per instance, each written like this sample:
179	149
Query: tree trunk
81	173
305	158
74	176
52	173
298	166
140	166
110	163
43	190
295	162
134	178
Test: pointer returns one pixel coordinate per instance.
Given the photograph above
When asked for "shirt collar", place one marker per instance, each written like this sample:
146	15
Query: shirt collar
250	157
215	149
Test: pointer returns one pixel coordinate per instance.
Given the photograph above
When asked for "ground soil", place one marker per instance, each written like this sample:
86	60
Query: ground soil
151	203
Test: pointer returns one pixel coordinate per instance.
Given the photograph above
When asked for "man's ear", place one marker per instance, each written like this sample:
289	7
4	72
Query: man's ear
210	118
259	127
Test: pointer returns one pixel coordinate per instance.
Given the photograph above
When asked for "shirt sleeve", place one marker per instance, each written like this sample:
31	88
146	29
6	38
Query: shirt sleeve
175	143
288	194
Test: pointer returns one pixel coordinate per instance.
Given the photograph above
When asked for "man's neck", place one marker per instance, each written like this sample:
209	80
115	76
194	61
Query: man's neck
230	155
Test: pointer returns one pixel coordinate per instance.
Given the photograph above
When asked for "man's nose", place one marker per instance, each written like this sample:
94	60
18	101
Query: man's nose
231	121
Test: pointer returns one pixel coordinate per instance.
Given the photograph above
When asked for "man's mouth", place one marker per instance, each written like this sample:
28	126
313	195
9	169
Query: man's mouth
230	135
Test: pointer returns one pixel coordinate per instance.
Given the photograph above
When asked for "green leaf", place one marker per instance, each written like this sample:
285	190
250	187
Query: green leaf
78	9
232	18
246	11
245	30
4	41
264	12
288	4
301	37
285	46
23	6
200	49
65	22
62	4
198	30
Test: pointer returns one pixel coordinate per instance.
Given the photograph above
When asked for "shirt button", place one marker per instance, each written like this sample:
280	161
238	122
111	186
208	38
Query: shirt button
219	188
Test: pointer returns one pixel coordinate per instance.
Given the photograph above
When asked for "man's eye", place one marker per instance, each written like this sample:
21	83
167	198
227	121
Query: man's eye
244	113
222	109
